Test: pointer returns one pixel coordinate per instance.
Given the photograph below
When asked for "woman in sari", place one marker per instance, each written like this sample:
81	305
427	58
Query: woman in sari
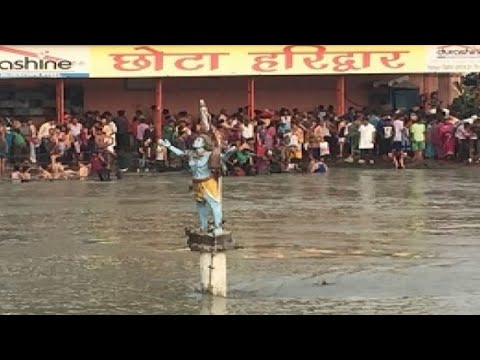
262	165
270	135
447	139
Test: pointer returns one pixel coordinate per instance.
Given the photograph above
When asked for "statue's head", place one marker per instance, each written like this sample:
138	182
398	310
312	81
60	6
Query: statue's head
203	142
199	143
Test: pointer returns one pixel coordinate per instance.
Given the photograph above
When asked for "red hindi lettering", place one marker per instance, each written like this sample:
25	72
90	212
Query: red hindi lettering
343	65
319	55
138	61
266	62
267	59
396	56
214	60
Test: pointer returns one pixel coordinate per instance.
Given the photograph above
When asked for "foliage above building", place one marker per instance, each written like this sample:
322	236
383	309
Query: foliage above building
468	103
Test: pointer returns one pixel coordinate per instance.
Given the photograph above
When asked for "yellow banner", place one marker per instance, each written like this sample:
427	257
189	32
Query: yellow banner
236	60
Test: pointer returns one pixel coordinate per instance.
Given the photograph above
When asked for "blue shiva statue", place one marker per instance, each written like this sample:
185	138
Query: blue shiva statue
206	184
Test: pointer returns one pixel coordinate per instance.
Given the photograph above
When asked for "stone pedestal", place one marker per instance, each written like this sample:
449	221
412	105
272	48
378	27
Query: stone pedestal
213	259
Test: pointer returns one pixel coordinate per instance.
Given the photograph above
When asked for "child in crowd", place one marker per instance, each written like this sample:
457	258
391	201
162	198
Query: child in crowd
398	156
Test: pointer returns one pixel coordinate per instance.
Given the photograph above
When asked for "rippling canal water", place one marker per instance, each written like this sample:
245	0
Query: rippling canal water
351	242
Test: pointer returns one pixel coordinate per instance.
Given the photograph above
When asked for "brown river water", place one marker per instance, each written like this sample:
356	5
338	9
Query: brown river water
350	242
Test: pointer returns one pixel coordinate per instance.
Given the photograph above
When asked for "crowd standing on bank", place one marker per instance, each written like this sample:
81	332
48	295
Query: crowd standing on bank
272	141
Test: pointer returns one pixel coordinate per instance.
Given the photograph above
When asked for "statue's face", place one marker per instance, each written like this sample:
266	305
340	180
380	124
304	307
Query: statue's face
199	143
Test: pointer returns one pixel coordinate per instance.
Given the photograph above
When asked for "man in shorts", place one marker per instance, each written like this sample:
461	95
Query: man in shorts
417	132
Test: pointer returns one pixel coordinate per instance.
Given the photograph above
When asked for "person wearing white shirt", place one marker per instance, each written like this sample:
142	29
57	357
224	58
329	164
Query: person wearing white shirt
324	148
113	135
75	127
34	143
44	131
398	132
247	130
141	131
367	141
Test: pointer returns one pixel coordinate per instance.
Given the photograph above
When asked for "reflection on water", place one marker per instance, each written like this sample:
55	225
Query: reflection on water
352	241
213	305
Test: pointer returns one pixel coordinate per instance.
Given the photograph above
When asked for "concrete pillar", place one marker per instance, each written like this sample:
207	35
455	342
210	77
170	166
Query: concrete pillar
158	108
251	97
427	87
60	99
340	95
445	89
213	273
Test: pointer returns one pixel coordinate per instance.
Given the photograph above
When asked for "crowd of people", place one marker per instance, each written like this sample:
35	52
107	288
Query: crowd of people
270	141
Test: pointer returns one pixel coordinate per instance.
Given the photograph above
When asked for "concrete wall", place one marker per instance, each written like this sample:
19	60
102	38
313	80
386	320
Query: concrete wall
303	92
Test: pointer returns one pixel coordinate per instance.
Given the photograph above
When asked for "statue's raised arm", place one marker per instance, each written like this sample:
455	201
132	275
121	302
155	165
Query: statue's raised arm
172	148
205	116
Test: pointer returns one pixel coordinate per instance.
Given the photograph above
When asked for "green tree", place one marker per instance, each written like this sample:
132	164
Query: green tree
468	103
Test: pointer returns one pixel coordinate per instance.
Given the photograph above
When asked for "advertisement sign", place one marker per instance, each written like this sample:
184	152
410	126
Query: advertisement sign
453	58
49	61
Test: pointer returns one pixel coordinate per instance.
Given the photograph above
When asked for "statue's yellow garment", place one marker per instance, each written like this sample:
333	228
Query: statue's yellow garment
207	187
